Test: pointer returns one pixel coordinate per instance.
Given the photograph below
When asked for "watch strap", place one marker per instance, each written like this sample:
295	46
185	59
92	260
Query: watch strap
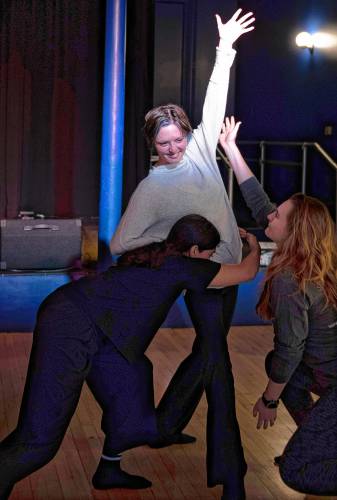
270	403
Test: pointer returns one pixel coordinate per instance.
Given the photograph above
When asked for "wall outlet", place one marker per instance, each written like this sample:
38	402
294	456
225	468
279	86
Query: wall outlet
328	129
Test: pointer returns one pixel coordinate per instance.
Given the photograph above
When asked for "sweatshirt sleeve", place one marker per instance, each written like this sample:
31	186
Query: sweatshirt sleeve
257	200
205	138
291	326
137	218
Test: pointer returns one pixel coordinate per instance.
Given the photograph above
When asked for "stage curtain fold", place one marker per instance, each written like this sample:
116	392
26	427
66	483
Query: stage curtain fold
51	70
138	92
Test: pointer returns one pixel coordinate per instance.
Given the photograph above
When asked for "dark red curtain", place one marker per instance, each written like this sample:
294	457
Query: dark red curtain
51	69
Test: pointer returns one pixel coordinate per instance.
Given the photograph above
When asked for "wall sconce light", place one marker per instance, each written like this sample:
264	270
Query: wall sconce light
319	40
305	41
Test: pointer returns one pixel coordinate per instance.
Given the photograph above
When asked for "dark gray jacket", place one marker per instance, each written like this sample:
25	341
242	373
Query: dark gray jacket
305	329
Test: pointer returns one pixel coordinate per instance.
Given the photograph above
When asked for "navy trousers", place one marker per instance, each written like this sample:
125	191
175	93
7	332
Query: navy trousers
309	461
208	368
67	350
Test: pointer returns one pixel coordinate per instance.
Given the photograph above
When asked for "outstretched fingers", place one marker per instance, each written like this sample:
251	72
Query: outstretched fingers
236	127
231	30
229	131
246	30
244	19
218	21
236	15
230	125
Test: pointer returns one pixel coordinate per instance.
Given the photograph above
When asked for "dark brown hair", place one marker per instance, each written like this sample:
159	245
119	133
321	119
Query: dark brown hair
162	116
186	232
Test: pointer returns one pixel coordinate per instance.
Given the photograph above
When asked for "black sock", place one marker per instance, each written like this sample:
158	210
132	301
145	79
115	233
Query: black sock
110	475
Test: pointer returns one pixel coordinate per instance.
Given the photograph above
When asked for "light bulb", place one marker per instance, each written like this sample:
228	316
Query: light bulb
304	39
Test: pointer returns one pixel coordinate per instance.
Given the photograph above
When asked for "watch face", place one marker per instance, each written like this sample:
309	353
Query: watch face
271	404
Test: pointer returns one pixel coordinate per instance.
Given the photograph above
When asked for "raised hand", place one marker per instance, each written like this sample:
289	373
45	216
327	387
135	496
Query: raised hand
229	131
227	140
235	27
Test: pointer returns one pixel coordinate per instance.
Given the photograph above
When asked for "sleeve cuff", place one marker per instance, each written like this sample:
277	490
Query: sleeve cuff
225	56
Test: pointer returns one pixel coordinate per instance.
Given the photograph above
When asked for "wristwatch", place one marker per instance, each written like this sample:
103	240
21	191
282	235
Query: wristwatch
270	403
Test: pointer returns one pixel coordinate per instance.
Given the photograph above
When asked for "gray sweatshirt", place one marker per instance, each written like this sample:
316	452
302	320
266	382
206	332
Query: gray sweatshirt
193	186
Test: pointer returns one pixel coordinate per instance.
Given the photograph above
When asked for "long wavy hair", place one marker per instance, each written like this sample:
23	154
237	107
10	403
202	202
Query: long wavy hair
309	251
188	231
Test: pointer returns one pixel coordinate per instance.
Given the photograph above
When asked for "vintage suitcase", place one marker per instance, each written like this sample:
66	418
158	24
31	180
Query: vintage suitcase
39	243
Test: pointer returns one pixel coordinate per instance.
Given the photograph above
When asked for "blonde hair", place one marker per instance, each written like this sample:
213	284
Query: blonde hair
309	251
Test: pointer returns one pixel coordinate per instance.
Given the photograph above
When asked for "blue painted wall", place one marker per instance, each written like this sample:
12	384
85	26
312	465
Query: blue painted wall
283	92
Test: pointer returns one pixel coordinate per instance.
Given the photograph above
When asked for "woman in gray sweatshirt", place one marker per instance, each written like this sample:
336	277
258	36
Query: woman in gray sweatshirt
185	180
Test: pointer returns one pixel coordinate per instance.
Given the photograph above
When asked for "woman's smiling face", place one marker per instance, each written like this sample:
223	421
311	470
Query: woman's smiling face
170	144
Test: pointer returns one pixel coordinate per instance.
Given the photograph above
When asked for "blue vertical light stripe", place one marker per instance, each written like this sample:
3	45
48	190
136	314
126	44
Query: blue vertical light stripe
113	126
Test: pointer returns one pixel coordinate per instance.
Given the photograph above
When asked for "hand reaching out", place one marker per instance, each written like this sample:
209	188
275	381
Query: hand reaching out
250	238
242	232
229	131
265	416
235	27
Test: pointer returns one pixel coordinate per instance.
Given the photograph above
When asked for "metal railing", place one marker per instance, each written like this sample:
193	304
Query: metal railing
263	161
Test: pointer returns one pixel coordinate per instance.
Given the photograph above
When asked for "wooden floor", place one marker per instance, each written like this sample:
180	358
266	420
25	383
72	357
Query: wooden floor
177	472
